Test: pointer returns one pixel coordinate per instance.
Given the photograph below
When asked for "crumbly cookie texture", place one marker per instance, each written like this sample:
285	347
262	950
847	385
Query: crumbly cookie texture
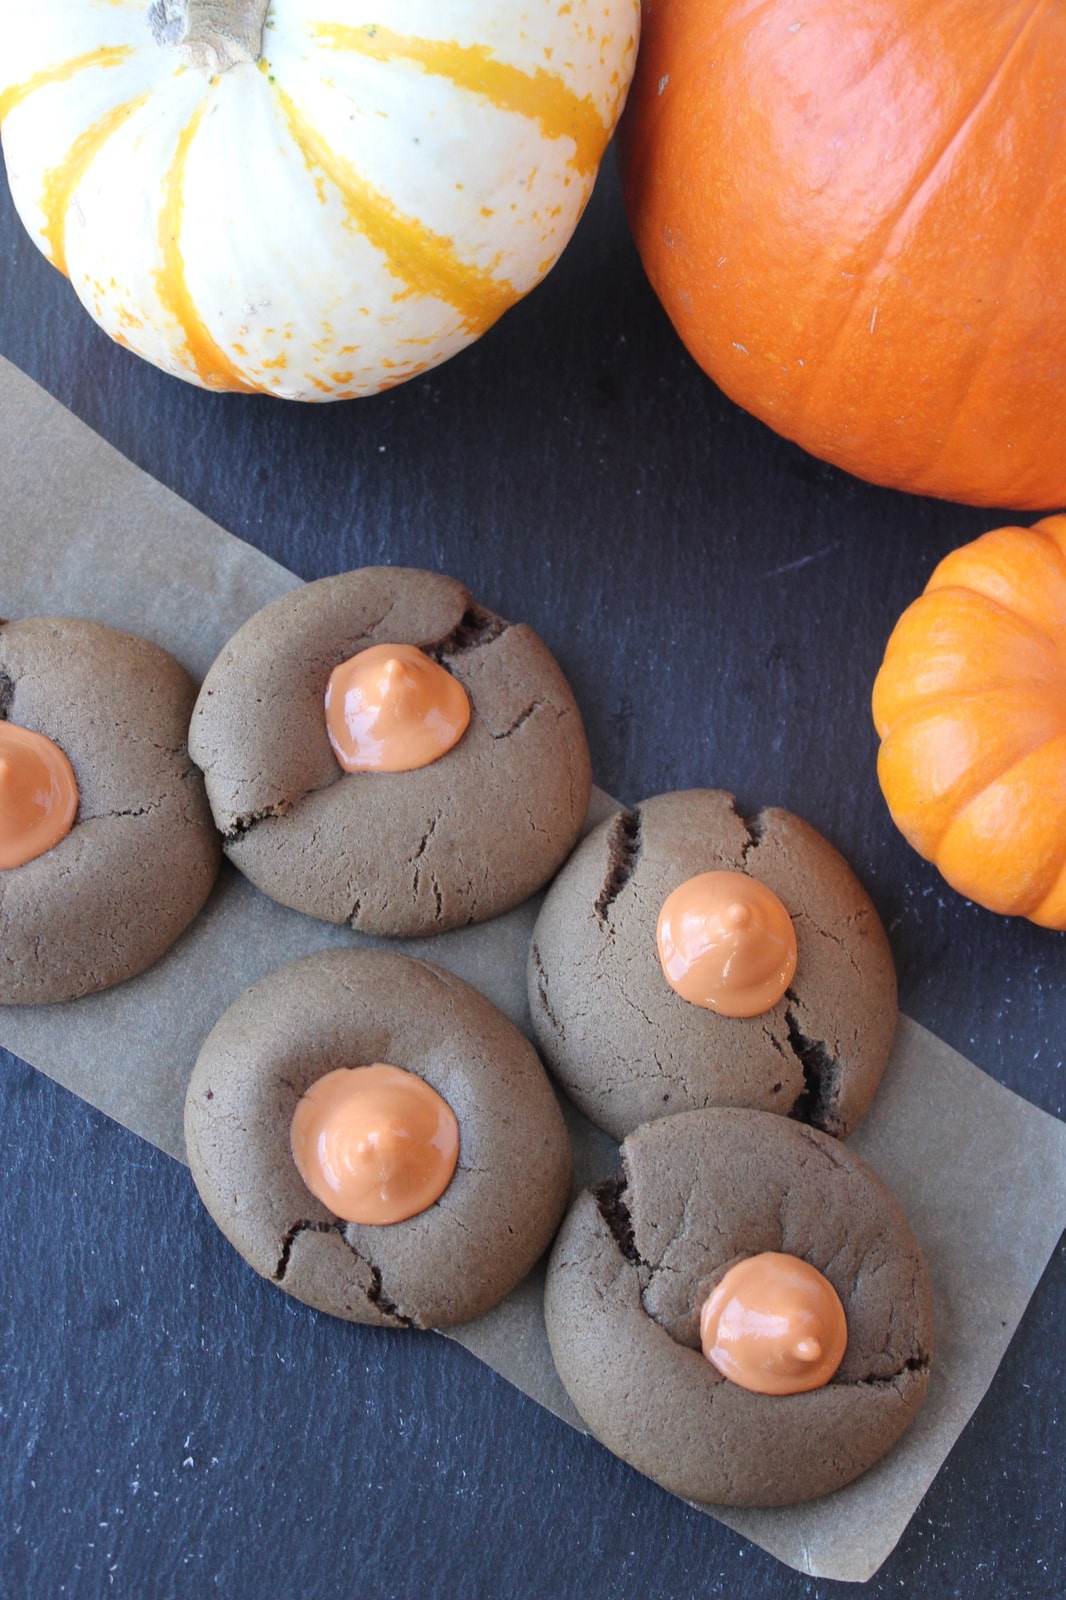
108	900
637	1257
627	1048
345	1008
408	853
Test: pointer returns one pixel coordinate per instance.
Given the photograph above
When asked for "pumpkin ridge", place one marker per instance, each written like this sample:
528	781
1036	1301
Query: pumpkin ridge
1053	882
540	95
1039	692
1049	546
1055	560
1001	606
983	349
106	56
426	262
915	807
59	184
1022	905
213	366
920	632
1053	529
1046	913
891	225
1052	692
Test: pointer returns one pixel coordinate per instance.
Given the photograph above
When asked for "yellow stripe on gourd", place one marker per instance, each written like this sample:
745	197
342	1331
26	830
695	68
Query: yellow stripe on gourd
212	365
426	262
59	184
106	56
540	95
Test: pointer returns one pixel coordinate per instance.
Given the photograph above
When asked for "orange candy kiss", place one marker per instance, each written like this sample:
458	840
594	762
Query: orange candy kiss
774	1325
375	1144
726	943
390	708
38	795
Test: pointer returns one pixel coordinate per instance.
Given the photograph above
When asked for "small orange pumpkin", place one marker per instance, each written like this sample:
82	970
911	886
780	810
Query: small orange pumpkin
970	705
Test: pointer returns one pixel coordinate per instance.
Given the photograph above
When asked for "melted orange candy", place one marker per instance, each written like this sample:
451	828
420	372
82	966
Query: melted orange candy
726	943
390	709
38	795
375	1144
774	1325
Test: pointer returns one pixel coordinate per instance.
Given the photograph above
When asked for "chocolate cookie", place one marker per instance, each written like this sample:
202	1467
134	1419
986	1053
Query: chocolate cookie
347	1008
627	1048
636	1258
458	841
142	855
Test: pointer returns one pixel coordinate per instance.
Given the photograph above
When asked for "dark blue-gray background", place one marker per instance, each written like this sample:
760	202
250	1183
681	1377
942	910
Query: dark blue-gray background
171	1426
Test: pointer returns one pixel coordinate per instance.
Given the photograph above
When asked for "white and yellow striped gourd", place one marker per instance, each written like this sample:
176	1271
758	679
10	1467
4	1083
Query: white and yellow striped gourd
310	198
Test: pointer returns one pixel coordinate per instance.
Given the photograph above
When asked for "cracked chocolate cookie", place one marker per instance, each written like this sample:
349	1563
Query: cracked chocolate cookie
637	1257
111	896
627	1048
415	852
351	1008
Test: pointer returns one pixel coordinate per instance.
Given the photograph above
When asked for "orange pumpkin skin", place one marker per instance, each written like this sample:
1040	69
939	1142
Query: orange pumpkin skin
970	704
852	213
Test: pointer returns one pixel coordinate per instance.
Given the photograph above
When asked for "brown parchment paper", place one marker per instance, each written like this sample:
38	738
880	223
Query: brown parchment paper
980	1172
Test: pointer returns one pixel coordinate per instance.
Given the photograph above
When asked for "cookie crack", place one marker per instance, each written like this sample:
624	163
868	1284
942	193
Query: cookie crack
375	1294
615	1213
245	823
816	1101
835	938
920	1364
476	627
556	1026
426	837
136	811
623	850
290	1237
420	852
519	721
754	826
824	1152
771	1038
632	1003
370	628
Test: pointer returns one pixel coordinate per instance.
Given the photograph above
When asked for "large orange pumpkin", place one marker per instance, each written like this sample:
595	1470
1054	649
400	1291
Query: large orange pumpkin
853	213
970	703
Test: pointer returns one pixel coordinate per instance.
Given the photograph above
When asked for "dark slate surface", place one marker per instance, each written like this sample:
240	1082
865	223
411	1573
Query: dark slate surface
169	1426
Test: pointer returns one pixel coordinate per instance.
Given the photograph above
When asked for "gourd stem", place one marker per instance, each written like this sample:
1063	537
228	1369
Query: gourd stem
212	34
